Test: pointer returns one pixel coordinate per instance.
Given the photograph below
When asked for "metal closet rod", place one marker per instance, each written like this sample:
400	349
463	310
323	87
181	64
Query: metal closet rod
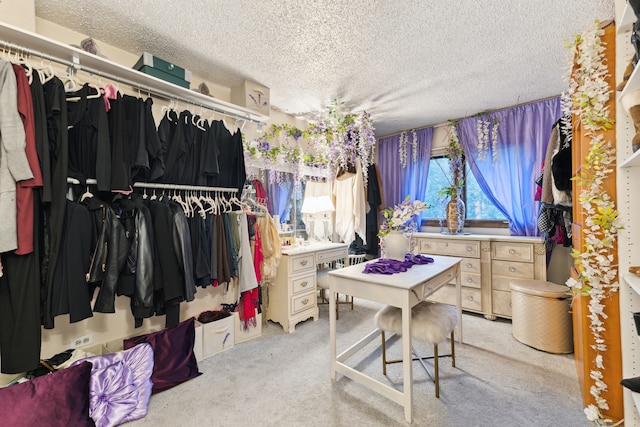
165	95
183	187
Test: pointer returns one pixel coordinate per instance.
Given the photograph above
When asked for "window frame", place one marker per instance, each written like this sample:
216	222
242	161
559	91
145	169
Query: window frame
474	223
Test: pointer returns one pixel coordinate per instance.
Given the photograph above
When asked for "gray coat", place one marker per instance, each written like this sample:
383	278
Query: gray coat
13	159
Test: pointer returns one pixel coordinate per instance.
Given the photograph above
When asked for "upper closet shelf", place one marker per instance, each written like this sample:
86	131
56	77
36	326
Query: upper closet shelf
47	48
627	20
631	161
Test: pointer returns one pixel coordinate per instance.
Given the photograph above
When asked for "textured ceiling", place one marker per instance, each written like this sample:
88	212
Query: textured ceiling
408	63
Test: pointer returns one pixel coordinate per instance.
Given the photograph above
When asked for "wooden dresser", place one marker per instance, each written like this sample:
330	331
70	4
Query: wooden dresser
488	264
292	295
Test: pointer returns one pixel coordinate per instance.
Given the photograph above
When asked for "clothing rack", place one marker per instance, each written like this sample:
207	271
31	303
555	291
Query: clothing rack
29	43
183	187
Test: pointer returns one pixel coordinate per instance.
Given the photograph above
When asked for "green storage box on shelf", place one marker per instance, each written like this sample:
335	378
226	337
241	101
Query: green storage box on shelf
164	70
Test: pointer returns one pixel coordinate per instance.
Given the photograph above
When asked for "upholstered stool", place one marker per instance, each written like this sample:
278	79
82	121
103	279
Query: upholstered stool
431	322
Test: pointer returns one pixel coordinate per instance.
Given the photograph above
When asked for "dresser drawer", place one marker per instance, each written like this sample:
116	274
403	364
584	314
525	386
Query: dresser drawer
303	284
470	280
303	302
501	303
471	297
330	255
470	265
512	269
512	251
302	263
464	249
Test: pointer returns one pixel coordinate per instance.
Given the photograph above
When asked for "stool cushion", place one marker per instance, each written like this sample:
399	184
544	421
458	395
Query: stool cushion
323	279
430	321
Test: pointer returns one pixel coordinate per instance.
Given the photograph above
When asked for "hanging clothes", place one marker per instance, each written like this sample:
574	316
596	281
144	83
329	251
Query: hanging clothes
374	203
14	165
24	189
348	190
41	137
54	213
70	293
89	143
108	256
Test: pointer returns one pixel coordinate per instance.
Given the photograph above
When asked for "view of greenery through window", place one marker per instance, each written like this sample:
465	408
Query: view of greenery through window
478	206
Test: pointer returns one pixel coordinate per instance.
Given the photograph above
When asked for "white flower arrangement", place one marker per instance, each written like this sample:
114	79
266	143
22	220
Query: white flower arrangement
587	98
400	216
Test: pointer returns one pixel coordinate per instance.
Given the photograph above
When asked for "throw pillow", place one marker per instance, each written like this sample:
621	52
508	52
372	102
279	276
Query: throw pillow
58	399
120	385
174	361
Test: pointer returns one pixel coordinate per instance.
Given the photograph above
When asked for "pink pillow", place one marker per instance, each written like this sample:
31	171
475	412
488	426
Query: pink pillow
58	399
173	359
120	385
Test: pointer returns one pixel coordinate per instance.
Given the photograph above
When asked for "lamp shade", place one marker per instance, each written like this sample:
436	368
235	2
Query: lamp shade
309	205
324	204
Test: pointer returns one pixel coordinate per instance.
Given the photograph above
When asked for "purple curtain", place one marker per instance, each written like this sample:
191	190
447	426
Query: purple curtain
398	182
279	196
509	180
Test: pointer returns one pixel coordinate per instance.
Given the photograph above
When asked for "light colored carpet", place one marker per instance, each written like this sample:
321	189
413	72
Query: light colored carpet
284	380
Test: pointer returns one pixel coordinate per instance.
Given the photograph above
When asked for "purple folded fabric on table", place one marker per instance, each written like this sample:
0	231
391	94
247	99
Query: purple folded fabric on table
393	266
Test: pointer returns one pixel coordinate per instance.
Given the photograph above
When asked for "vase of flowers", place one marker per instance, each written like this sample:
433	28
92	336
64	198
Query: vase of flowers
397	221
455	207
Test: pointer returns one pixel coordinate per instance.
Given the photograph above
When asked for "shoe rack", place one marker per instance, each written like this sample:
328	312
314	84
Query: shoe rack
628	189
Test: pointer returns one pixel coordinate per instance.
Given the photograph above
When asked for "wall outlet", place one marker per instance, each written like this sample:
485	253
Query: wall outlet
81	341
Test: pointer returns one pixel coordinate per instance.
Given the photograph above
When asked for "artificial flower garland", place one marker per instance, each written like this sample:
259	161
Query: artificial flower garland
487	137
337	141
402	147
587	98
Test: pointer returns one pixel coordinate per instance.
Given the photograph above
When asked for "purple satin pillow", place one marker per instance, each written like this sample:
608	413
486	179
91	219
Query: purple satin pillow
58	399
120	385
174	360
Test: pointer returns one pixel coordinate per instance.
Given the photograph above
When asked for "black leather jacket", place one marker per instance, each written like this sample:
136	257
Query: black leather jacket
136	281
109	254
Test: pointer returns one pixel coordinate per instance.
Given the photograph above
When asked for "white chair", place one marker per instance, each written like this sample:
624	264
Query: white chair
431	322
323	280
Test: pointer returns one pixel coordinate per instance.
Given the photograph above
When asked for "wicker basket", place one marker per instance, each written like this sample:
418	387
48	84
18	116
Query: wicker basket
540	315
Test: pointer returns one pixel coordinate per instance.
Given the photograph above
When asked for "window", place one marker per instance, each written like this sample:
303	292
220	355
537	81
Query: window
480	211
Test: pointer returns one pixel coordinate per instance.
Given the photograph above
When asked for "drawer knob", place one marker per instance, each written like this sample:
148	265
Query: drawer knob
512	251
304	284
469	248
469	280
426	245
305	301
303	262
469	265
469	297
512	269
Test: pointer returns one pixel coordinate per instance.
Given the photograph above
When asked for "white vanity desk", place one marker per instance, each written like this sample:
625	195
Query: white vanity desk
292	295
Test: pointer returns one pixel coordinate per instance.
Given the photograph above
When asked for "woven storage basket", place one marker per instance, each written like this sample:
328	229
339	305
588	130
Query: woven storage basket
540	315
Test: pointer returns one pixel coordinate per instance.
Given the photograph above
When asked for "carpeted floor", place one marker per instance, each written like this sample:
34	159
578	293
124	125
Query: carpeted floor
284	380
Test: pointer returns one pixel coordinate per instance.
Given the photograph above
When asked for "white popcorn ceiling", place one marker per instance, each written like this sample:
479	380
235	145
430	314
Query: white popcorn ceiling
410	64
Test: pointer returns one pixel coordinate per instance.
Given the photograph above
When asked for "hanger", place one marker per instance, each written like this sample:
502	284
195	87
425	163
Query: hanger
86	195
22	60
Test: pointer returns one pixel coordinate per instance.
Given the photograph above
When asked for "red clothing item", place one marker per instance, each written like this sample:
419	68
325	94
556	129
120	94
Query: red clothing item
24	189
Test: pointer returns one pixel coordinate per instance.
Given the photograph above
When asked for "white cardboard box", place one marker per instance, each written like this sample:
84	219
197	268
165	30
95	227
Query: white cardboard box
243	335
217	336
253	96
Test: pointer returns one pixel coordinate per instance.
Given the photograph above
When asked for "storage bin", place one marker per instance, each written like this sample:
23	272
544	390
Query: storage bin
540	315
242	335
197	342
95	350
156	67
217	336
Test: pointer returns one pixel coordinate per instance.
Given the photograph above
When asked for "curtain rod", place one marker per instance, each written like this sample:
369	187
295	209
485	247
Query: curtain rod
20	50
447	123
